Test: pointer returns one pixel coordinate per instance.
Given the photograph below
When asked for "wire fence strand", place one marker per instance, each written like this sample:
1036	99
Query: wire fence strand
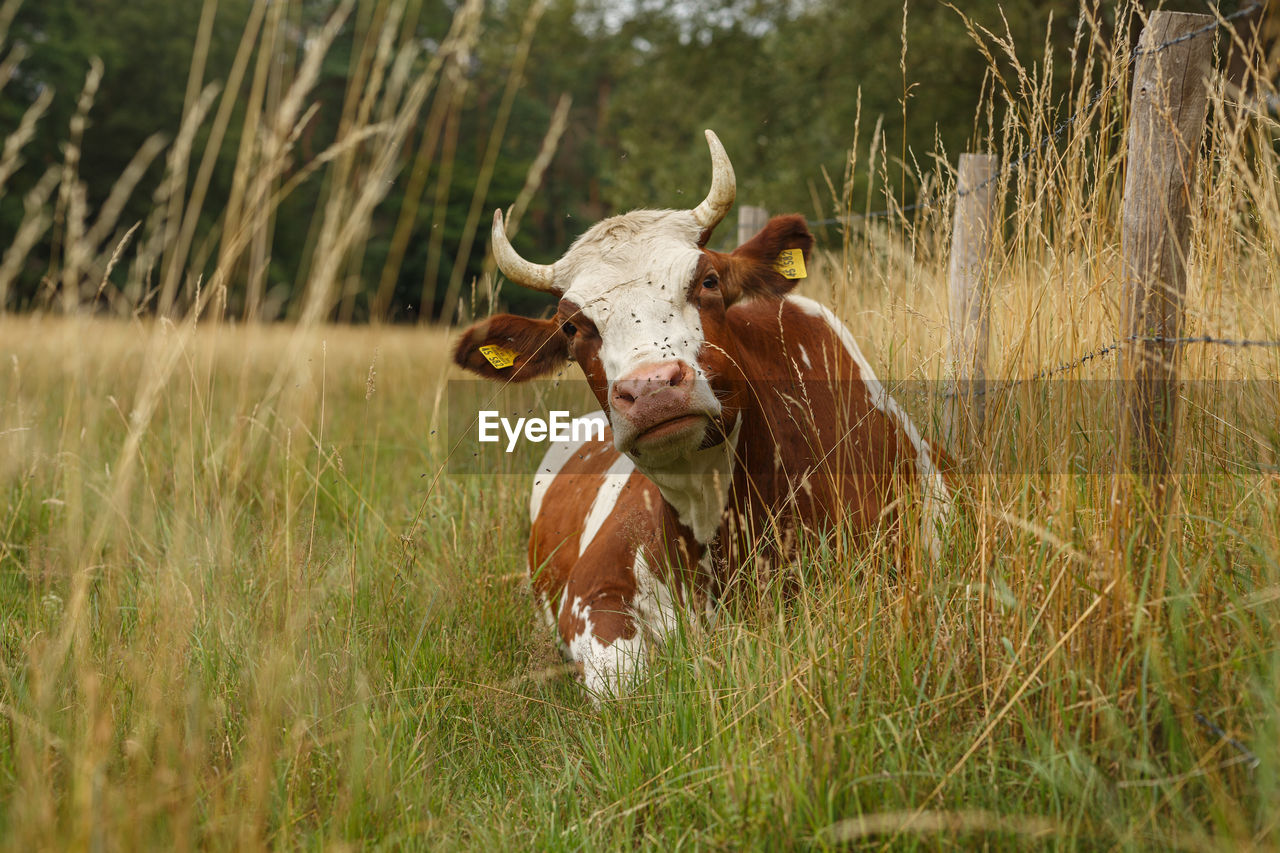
1106	350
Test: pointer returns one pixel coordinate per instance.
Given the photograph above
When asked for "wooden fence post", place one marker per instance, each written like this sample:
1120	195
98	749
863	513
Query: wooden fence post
971	236
1166	126
750	221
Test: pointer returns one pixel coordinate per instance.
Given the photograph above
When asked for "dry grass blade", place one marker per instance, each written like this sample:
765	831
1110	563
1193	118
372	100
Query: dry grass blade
7	11
170	195
35	221
9	65
122	189
11	157
115	258
490	160
968	822
550	143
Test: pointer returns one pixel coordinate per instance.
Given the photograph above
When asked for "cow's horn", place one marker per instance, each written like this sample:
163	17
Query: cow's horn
524	273
724	189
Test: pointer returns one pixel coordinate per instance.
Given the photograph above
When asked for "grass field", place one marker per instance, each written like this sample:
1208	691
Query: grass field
240	609
247	601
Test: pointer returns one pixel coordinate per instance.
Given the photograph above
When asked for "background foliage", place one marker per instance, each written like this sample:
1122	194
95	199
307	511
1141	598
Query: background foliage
791	87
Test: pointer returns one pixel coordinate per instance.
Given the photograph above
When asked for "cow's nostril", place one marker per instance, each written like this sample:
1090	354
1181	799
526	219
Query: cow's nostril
674	375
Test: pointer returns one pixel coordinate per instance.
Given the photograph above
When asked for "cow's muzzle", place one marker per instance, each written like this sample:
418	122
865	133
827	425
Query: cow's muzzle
656	400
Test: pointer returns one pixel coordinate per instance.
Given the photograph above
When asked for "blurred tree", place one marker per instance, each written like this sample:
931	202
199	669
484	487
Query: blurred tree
146	48
783	83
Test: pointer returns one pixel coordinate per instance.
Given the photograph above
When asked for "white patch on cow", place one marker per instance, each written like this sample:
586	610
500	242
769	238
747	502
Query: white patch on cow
615	479
936	503
552	462
544	607
654	605
609	669
804	356
710	606
630	276
606	669
697	486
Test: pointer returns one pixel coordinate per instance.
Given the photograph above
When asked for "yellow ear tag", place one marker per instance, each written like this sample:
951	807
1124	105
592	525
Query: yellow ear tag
497	356
791	264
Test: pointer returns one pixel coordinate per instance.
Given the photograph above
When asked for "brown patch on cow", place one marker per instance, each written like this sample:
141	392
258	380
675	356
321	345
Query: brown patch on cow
813	448
539	346
584	347
749	271
604	578
779	234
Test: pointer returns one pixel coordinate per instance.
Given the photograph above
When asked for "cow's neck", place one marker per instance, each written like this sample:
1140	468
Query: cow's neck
697	489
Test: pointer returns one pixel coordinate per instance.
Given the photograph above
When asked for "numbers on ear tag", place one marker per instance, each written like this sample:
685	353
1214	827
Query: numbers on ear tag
497	356
791	264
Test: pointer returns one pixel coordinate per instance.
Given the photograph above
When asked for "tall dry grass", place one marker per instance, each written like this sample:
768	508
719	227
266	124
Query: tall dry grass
242	608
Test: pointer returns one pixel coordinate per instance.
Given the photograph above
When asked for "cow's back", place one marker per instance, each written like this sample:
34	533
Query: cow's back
831	443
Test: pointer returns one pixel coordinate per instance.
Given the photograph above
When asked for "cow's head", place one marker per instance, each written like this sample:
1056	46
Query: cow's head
643	311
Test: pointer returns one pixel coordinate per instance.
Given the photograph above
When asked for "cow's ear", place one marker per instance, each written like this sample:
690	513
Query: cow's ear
776	258
511	348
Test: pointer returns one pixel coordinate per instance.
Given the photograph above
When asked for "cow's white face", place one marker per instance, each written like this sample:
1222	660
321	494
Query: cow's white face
632	319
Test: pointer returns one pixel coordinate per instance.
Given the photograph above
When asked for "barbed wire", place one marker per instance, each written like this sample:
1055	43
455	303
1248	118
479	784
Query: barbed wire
1106	350
1059	129
1247	754
1207	28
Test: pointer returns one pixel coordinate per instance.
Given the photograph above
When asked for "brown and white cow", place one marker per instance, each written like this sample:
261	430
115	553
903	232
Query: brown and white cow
740	415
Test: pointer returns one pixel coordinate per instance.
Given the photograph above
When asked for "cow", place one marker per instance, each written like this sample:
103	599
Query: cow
740	416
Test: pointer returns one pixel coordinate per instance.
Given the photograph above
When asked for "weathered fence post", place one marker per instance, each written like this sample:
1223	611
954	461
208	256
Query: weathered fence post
969	305
750	221
1166	126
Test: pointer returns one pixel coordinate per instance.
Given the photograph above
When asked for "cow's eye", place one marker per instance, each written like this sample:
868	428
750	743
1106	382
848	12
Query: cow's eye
569	329
711	282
